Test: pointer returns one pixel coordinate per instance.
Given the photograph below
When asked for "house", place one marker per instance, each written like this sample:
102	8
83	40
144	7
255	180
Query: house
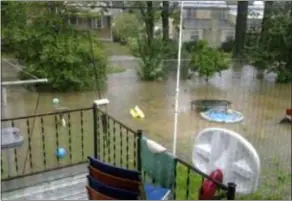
254	18
94	16
214	21
206	20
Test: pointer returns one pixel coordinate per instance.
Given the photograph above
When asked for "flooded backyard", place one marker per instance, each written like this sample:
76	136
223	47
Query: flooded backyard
263	104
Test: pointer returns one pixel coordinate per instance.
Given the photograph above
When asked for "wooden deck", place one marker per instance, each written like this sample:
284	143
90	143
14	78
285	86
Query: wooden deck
64	184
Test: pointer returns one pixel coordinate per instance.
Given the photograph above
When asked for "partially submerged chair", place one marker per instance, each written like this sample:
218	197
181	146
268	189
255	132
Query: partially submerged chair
105	179
288	117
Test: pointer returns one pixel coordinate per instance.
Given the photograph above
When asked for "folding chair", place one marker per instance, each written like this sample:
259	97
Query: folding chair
125	179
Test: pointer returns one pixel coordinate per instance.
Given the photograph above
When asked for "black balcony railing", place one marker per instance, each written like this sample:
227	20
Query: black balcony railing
89	131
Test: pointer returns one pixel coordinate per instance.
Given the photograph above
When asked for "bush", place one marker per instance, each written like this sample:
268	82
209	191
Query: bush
207	61
188	46
151	55
125	26
227	46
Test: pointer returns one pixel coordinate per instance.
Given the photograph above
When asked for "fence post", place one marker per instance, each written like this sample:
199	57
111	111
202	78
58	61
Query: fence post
94	109
231	191
139	165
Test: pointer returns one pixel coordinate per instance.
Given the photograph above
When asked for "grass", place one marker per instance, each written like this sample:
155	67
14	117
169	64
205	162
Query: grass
187	190
111	69
113	49
275	185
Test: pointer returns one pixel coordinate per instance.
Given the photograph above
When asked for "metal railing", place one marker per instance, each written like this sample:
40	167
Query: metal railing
105	137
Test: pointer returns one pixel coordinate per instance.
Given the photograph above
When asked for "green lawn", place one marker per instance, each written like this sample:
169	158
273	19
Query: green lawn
112	48
115	69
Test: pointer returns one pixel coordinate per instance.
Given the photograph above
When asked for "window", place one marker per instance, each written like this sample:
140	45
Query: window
229	35
229	38
73	19
195	36
203	14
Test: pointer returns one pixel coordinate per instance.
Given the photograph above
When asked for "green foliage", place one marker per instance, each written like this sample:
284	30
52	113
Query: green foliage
273	48
207	61
126	26
53	49
151	55
188	46
13	20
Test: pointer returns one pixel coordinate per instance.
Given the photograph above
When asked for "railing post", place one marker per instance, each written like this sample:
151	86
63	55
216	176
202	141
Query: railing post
139	165
231	191
95	127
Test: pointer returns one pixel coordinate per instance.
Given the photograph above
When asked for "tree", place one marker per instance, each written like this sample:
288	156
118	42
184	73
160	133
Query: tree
151	65
274	49
13	20
240	29
207	61
165	20
126	26
52	48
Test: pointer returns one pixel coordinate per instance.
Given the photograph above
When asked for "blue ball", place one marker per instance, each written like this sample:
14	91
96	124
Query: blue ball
60	152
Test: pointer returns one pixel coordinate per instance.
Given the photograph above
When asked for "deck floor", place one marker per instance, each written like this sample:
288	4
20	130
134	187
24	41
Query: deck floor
65	184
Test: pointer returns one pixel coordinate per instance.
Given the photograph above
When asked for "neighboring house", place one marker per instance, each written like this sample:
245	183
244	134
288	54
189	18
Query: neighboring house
86	16
254	18
158	28
212	21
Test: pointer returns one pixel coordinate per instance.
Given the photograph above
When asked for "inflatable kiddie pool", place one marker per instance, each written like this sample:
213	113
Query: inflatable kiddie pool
222	116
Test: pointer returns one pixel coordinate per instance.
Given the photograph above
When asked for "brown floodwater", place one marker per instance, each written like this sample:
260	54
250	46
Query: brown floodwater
262	102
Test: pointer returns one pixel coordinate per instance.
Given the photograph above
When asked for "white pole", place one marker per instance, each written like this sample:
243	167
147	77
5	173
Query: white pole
21	82
177	80
8	154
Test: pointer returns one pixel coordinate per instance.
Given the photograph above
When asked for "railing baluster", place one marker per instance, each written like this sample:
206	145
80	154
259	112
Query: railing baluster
98	140
104	139
29	144
70	137
121	145
114	141
2	169
15	153
135	151
44	144
174	182
108	140
127	148
57	135
188	183
82	135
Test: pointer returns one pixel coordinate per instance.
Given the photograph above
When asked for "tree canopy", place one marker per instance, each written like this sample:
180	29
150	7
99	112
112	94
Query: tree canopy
50	47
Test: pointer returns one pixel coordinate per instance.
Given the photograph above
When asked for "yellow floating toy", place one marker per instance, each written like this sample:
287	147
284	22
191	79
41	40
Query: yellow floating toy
137	113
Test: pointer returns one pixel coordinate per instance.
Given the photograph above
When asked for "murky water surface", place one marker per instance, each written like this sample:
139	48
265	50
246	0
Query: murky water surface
263	104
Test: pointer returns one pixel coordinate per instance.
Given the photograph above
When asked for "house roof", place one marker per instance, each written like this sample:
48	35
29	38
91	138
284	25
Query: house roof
204	4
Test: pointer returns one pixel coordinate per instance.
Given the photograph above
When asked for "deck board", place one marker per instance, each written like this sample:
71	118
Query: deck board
65	184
